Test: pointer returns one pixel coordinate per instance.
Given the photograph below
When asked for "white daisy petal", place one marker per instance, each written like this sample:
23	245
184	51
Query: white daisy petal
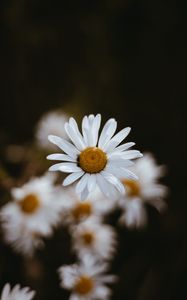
107	132
82	183
69	167
102	185
74	137
95	128
122	147
59	156
72	178
84	194
91	182
132	154
117	139
5	292
114	180
106	188
56	167
64	145
119	162
74	125
121	172
85	130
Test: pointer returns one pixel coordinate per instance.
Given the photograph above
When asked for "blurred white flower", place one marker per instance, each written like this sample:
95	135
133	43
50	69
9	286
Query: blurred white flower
50	123
145	190
17	293
86	280
76	211
94	159
134	213
22	239
35	209
95	238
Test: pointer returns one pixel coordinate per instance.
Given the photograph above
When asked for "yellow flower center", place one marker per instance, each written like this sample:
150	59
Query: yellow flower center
132	187
88	238
84	285
82	210
29	204
92	160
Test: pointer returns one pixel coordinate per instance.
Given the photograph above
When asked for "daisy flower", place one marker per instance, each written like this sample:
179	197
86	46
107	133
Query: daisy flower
76	211
92	158
35	209
17	293
23	240
92	237
86	280
146	190
51	123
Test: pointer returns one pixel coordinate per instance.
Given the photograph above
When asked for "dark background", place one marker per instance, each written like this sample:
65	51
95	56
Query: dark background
124	59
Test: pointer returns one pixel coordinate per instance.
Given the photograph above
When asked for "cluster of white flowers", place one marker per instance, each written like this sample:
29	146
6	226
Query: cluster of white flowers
102	174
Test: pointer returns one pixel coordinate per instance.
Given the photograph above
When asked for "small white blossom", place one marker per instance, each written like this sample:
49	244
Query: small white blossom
51	123
17	293
91	237
34	211
76	211
86	280
94	159
146	190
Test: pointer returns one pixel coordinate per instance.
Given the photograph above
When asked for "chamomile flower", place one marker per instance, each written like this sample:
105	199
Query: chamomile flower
76	211
33	213
86	280
51	123
23	240
146	190
94	159
17	293
95	238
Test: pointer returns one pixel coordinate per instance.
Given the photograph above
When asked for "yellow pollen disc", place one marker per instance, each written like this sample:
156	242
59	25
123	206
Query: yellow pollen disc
82	210
29	204
132	187
88	238
92	160
84	285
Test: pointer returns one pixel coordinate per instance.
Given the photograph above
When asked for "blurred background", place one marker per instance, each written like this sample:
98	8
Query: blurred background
123	59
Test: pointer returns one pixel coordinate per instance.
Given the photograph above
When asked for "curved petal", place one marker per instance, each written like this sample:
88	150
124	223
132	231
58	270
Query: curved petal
74	137
114	181
56	167
64	145
72	178
121	148
106	188
107	132
69	168
82	183
59	156
117	139
132	154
